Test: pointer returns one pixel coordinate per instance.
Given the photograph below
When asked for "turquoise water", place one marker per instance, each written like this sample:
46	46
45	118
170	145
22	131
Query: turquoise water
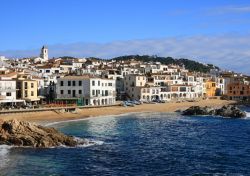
141	144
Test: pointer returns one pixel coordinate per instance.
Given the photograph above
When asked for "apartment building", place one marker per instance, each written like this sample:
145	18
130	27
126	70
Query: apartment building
210	88
7	91
238	91
183	92
86	90
27	89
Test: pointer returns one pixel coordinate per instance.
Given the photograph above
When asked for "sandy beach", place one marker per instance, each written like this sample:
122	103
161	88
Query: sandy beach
52	116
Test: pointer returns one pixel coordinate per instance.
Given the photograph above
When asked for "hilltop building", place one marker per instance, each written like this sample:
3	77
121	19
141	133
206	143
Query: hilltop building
44	55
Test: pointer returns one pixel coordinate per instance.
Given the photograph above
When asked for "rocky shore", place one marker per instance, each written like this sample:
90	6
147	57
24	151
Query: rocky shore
26	134
228	111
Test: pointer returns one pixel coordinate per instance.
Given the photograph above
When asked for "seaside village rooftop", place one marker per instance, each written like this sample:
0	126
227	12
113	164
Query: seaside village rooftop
67	81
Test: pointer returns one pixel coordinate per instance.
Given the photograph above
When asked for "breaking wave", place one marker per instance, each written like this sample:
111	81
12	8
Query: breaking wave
88	142
4	151
85	143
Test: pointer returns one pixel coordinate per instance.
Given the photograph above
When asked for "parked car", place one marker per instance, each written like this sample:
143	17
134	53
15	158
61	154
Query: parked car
136	102
145	101
128	103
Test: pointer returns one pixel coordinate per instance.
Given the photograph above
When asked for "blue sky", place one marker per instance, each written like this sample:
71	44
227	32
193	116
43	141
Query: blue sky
97	28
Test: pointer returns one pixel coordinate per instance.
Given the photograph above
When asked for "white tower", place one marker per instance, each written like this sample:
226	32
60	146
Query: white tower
44	53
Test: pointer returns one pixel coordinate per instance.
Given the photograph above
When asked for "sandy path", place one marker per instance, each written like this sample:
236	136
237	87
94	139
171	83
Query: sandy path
50	116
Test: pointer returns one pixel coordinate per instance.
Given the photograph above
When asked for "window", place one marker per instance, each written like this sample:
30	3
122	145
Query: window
61	83
80	92
93	83
61	91
69	83
93	92
32	85
110	84
25	93
25	85
8	94
99	83
183	89
80	83
74	83
47	71
69	92
32	93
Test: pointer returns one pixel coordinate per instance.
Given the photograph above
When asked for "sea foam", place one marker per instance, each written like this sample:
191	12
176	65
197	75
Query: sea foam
88	142
4	151
85	143
248	114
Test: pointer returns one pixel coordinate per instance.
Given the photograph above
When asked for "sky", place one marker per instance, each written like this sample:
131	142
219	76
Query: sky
212	31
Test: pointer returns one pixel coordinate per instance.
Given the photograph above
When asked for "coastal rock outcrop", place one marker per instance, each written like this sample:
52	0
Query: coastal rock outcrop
226	111
230	111
26	134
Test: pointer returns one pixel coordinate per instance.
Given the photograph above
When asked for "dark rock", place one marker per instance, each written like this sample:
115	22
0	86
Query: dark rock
197	110
21	133
230	111
225	111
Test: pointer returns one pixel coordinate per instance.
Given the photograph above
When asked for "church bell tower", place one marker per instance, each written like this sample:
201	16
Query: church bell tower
44	53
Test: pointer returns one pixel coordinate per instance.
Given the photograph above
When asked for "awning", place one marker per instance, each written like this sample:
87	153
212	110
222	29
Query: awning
12	101
34	99
41	97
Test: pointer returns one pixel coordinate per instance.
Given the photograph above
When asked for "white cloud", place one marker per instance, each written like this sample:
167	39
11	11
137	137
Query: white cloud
227	51
230	9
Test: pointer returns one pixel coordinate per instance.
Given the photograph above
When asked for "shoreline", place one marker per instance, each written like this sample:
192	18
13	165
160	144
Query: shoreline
91	117
48	117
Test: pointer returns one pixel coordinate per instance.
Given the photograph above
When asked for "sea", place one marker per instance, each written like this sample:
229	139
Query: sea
140	144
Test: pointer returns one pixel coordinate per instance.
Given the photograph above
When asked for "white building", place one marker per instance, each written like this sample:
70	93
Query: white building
44	55
87	89
7	91
220	85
